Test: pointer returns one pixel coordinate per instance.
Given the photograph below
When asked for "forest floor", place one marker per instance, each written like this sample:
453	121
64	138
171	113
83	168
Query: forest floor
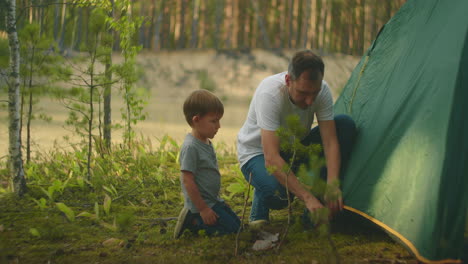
126	214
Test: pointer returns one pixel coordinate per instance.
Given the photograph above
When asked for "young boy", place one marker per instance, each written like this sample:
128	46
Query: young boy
200	177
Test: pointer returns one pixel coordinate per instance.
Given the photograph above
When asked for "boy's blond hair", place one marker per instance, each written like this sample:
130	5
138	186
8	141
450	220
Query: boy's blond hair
201	102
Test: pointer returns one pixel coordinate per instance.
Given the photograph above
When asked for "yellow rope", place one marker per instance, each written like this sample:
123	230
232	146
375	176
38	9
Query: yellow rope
357	84
403	239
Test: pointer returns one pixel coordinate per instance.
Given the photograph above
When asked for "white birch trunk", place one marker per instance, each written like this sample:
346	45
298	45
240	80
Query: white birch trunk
15	158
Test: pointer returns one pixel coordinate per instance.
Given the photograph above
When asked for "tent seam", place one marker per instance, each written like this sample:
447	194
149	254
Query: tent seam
357	84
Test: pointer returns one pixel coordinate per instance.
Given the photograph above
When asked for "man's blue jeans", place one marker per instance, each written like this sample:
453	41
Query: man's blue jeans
269	193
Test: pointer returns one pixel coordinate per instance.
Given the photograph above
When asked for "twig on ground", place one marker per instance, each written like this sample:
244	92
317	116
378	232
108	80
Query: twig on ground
289	203
128	192
333	246
243	215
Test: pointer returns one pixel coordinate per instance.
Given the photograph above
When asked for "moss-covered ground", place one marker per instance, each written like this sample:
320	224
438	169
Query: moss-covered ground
125	214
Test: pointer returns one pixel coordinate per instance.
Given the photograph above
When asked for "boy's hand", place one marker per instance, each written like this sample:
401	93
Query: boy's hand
209	216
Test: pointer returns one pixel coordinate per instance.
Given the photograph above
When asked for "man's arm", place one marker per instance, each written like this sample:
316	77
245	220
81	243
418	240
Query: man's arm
207	214
270	143
331	148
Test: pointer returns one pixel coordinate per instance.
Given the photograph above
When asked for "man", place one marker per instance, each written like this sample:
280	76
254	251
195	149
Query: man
299	91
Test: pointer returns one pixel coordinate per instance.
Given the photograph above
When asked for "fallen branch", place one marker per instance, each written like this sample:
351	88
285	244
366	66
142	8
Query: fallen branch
243	215
128	192
289	202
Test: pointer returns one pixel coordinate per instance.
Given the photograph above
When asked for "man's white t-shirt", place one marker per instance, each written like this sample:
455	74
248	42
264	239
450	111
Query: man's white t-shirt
269	108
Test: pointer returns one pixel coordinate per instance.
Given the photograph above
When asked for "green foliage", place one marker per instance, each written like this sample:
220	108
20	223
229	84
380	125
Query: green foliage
107	204
240	186
88	215
41	203
40	67
126	27
67	211
40	63
138	214
34	232
56	187
206	82
309	175
111	190
96	210
124	221
4	53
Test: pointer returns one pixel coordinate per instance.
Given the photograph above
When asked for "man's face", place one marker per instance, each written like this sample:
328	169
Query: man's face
303	91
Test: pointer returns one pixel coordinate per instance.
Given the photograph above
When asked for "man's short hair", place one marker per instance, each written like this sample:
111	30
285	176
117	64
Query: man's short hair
306	60
201	102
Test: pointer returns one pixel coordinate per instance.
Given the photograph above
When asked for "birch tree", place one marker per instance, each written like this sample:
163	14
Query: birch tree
15	158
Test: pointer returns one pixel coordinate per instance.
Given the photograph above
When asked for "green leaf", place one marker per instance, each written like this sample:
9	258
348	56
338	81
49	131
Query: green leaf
42	203
67	211
35	232
86	214
112	226
107	204
49	193
235	188
96	210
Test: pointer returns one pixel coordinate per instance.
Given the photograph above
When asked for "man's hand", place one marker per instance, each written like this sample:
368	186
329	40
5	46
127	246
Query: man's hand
333	197
312	204
209	216
316	210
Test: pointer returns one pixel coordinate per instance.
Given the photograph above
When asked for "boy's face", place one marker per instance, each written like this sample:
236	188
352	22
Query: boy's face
207	126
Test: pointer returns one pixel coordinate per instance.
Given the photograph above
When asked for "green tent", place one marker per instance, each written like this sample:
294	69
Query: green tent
409	97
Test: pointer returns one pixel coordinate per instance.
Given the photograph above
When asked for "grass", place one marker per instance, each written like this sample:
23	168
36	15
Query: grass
129	204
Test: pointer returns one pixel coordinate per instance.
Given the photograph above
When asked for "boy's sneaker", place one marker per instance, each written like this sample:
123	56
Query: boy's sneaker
181	222
258	225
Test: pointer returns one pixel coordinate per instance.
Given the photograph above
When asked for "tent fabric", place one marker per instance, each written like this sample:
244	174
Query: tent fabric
408	96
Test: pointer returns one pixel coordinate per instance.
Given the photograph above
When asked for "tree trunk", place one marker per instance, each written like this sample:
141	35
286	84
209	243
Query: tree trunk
150	37
318	19
91	108
108	86
308	11
56	21
230	27
64	26
143	29
30	108
241	15
194	40
79	25
291	22
202	31
166	26
261	25
15	158
219	23
323	31
181	40
362	27
41	18
157	27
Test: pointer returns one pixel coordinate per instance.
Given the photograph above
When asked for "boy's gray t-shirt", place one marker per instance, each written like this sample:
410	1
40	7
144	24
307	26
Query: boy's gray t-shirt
200	159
